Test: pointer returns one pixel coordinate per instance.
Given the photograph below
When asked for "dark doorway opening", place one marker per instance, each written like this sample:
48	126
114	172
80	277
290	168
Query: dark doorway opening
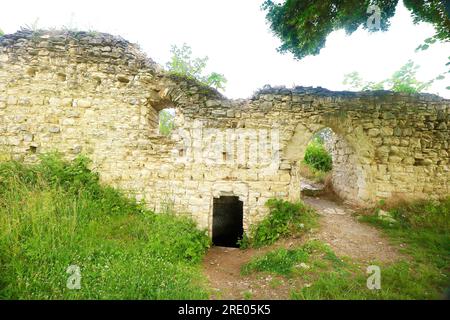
227	221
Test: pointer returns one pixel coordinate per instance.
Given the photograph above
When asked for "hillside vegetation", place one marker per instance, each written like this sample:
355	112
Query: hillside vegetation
56	214
419	229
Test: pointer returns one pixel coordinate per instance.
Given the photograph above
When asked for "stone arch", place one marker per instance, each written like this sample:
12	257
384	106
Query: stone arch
190	98
350	150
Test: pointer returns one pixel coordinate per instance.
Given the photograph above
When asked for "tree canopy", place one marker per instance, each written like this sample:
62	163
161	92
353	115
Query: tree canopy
303	25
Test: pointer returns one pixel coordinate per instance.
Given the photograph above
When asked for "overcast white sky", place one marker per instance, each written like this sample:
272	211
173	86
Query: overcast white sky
234	35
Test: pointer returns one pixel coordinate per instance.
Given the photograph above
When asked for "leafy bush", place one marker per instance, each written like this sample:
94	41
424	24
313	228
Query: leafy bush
74	177
56	214
317	156
285	218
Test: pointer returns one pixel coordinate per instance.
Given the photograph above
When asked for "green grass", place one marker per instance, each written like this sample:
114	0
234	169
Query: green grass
247	295
313	174
421	231
284	219
422	227
399	281
56	214
280	261
316	273
314	255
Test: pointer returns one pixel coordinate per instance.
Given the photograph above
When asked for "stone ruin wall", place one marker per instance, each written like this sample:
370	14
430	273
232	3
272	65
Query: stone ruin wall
99	95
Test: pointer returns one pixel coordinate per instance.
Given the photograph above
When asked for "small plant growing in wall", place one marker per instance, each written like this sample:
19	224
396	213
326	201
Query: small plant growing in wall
33	27
402	80
182	63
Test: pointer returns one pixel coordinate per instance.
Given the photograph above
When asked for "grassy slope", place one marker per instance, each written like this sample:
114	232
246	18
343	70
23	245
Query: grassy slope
422	230
422	227
56	214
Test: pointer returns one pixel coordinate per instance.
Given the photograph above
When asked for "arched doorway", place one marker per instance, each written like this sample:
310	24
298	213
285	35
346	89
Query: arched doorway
347	177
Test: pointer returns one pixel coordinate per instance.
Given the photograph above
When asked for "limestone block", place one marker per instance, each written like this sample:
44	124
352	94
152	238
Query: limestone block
373	132
11	100
54	129
409	160
82	103
386	131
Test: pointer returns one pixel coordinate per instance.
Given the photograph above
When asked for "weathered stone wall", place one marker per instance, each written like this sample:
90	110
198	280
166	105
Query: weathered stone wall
99	95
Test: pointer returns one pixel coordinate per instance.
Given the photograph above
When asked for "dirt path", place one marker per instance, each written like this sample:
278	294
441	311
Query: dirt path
222	267
347	236
338	228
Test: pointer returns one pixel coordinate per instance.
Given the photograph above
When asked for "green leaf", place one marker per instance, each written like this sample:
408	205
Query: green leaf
304	25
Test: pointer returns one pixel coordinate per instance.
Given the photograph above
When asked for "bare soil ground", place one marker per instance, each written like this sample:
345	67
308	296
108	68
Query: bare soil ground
338	228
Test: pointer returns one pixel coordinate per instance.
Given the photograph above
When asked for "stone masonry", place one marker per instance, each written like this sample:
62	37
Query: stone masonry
97	94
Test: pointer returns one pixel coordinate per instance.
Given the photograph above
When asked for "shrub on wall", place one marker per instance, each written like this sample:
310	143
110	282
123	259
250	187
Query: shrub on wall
285	219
